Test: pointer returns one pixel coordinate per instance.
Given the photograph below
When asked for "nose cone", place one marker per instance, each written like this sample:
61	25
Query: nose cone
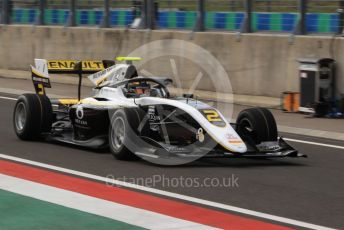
229	139
237	145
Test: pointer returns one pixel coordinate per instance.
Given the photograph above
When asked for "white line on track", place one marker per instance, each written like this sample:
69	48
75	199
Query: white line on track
14	99
314	143
171	194
8	98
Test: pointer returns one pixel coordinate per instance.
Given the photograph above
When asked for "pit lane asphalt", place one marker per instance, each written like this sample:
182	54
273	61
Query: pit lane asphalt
309	190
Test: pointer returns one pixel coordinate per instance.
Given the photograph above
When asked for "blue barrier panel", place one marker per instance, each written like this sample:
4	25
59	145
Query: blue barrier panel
32	16
263	21
98	16
220	20
84	17
180	17
239	19
54	16
312	23
162	22
129	17
18	15
114	18
66	15
334	23
288	22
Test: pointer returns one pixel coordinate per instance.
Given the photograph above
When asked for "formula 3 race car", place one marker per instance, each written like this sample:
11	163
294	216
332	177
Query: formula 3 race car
136	116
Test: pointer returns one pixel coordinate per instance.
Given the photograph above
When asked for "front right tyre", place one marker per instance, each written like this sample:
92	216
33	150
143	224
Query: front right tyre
257	125
118	136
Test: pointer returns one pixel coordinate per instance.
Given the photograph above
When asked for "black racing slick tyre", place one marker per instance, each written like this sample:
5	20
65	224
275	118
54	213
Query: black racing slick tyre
32	116
119	133
257	124
47	114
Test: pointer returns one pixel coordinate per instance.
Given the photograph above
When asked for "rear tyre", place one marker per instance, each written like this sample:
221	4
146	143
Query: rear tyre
47	113
32	116
118	136
257	124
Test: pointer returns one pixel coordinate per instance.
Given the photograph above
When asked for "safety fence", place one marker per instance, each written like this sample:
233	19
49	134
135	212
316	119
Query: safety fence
317	16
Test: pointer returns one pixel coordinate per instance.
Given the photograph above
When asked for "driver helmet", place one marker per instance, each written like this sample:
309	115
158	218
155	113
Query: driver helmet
142	88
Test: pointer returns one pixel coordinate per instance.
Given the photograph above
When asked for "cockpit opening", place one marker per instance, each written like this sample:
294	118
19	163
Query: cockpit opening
146	88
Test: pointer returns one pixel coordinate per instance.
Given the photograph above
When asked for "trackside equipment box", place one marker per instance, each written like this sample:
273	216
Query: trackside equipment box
317	83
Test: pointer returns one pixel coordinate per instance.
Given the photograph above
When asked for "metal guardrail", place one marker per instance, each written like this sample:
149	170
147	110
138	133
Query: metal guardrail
293	16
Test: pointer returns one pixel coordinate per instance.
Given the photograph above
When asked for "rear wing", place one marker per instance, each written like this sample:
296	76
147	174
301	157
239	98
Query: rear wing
71	67
42	69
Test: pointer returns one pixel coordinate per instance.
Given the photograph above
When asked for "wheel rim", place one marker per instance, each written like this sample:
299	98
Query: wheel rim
118	133
20	116
246	127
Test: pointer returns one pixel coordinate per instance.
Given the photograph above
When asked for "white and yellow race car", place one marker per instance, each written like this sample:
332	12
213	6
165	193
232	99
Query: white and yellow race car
135	116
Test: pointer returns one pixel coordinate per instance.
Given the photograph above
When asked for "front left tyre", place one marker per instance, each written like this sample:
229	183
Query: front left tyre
32	116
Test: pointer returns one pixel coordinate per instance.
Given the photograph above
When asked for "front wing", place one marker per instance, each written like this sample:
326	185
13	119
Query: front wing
264	150
278	149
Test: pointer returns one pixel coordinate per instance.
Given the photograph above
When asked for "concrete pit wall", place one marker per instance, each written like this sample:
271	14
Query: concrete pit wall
256	64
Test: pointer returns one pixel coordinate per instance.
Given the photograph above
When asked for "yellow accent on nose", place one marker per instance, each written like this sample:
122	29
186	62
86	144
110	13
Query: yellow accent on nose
68	101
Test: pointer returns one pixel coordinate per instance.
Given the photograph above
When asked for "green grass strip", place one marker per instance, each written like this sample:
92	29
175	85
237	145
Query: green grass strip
21	212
